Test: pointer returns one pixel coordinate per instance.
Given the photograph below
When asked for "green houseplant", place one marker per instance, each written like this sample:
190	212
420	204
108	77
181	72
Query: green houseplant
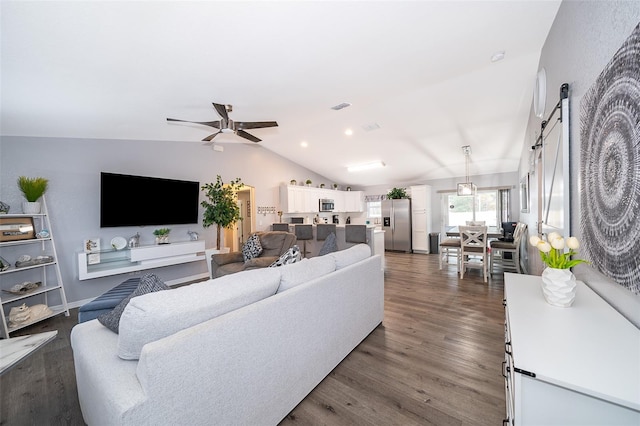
162	235
32	189
221	207
397	193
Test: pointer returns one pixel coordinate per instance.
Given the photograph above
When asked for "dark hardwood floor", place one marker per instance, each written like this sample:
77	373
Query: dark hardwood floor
436	359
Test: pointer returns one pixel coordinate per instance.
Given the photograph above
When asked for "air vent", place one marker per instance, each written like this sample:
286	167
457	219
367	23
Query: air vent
341	106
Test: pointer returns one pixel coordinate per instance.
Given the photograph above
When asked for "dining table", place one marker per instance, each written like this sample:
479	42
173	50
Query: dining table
492	232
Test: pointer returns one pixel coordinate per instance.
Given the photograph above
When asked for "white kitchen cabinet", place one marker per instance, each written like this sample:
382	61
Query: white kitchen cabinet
353	201
292	199
420	218
51	290
301	199
568	366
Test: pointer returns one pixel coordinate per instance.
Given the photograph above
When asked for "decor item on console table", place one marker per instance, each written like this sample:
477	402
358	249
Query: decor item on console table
162	235
4	208
32	189
221	207
308	182
558	282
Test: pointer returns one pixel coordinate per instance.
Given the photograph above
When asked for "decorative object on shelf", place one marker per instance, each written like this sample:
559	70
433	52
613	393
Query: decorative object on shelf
308	182
16	228
335	186
348	188
558	282
221	206
280	216
43	234
134	241
24	288
4	265
26	260
162	235
193	235
293	182
397	194
23	313
118	243
32	189
91	244
322	185
4	208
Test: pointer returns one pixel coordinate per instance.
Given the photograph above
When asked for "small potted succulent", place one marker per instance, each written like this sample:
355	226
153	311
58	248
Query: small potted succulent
293	182
322	185
162	235
308	182
335	186
32	189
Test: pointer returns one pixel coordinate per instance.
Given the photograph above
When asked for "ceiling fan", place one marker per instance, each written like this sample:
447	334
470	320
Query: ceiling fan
227	125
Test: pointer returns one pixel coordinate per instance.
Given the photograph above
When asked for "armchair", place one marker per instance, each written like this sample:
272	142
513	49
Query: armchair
274	244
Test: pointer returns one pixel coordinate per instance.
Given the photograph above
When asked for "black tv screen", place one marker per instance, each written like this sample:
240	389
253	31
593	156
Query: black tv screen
127	200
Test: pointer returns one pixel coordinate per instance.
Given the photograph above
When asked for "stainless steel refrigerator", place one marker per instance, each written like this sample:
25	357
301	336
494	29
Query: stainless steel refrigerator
396	222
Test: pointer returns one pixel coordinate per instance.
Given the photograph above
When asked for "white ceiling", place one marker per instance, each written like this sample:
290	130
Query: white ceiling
421	70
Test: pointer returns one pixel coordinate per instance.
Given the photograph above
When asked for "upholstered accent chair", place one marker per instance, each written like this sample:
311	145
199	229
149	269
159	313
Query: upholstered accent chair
274	244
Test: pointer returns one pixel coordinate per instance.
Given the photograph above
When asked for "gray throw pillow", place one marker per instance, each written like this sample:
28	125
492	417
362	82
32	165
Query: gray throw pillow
251	248
149	283
292	255
330	245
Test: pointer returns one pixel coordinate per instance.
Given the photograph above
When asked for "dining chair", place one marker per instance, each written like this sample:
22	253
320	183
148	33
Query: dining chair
473	249
506	254
450	247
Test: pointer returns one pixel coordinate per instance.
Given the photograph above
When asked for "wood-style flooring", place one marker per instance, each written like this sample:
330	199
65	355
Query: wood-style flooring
435	360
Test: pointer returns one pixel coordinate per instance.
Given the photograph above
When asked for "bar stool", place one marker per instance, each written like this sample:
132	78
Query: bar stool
324	229
304	233
280	227
355	233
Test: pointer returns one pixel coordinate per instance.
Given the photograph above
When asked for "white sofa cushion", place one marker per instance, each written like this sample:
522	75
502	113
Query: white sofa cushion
351	255
153	316
307	269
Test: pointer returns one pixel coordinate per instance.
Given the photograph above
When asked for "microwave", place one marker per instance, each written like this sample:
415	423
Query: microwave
325	205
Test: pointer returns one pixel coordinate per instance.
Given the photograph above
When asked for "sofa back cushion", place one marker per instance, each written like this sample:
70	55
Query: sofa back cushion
153	316
275	243
351	255
307	269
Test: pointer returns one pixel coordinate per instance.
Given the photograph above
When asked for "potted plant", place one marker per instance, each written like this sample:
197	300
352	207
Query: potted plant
32	189
293	182
221	206
162	235
397	193
322	185
335	186
308	182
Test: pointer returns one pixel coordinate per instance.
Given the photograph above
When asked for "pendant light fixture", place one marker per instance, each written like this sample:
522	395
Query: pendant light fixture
466	188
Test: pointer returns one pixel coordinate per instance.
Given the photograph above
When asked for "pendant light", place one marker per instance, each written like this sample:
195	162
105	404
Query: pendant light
467	188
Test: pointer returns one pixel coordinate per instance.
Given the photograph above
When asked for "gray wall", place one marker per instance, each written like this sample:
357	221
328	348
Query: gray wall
583	39
73	168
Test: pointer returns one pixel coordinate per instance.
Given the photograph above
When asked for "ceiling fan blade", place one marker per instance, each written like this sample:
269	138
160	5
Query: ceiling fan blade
222	110
215	124
208	138
254	124
246	135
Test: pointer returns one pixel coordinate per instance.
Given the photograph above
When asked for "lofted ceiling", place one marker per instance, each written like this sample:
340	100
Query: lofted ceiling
418	72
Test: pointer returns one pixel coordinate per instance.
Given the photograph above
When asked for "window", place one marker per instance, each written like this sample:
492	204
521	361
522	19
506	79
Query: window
374	209
460	209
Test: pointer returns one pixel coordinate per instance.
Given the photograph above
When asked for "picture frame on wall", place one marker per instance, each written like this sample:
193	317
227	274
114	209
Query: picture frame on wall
16	229
524	193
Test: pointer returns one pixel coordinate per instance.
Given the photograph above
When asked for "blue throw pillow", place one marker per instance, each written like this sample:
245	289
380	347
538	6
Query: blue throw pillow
330	245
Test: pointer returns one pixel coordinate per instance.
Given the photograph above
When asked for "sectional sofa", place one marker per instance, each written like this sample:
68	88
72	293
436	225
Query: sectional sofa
242	349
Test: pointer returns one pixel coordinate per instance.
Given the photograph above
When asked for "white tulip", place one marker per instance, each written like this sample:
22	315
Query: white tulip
552	236
572	243
544	246
534	240
557	243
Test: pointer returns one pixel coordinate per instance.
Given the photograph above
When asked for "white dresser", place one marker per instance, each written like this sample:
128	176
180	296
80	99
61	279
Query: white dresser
568	366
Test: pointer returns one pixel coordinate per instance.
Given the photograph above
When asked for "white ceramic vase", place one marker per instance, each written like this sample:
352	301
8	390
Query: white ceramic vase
31	207
559	287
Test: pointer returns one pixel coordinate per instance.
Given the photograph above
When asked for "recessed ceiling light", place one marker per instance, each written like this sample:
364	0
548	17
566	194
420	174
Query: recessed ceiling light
341	106
348	132
498	56
367	166
304	144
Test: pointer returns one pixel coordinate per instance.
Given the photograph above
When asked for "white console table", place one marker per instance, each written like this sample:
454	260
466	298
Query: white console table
113	262
568	366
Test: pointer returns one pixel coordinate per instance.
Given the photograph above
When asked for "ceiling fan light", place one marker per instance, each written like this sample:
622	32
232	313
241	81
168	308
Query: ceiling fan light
367	166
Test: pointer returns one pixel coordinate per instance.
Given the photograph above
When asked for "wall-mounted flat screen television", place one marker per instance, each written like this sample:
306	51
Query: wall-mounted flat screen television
127	200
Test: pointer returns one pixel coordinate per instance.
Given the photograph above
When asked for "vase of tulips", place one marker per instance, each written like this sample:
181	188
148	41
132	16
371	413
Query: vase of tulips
558	282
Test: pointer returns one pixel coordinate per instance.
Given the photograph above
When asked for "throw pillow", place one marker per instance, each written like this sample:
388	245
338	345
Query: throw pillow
292	255
149	283
330	245
251	248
